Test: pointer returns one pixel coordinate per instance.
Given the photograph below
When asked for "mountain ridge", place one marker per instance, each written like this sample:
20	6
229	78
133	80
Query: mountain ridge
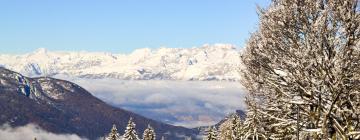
209	62
60	106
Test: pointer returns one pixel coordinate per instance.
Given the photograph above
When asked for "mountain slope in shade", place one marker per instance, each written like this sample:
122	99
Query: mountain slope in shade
59	106
210	62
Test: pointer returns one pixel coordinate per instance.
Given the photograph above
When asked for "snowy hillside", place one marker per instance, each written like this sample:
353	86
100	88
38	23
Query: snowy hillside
209	62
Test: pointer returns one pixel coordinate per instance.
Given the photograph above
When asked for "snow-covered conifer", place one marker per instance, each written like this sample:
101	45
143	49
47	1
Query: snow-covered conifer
236	127
211	134
254	126
113	135
231	128
149	133
130	132
225	130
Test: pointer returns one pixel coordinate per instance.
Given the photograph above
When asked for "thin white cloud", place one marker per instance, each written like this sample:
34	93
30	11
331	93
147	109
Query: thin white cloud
185	103
31	131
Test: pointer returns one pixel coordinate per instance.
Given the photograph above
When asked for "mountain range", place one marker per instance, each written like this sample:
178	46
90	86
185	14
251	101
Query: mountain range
60	106
209	62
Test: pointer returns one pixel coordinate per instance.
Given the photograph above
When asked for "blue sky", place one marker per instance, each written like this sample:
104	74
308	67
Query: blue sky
120	26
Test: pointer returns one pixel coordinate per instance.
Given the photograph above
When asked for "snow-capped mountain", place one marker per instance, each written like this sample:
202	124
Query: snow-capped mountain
209	62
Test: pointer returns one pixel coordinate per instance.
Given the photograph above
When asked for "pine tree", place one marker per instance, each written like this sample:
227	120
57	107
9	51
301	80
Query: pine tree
113	135
130	132
231	128
236	127
301	66
211	134
149	133
225	130
254	126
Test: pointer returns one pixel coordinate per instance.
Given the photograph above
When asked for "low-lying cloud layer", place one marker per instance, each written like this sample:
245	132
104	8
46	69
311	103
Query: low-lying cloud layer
185	103
31	131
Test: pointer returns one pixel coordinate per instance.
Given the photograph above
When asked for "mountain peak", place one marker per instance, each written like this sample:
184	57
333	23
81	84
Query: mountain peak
220	46
41	51
210	62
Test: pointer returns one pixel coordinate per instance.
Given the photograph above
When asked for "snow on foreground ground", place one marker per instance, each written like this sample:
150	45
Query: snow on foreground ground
185	103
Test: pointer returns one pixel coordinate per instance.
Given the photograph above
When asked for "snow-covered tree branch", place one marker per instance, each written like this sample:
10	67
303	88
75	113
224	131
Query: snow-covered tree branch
302	67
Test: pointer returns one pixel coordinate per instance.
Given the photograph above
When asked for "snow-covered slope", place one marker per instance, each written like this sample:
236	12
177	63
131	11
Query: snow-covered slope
209	62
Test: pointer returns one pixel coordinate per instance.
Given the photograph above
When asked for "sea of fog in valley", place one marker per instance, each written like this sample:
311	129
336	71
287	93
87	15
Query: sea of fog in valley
184	103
